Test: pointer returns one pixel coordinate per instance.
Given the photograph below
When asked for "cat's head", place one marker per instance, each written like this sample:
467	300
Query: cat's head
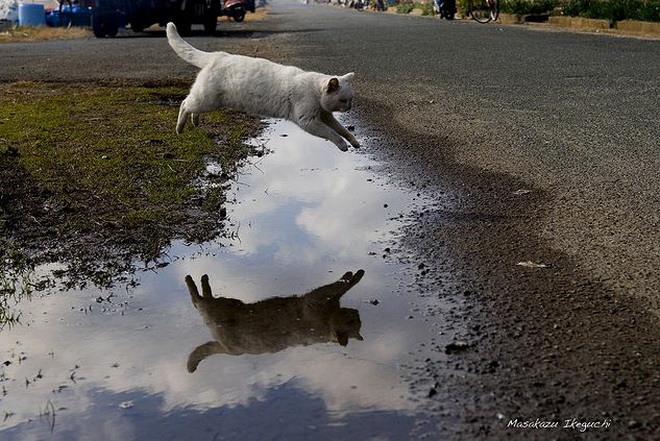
346	324
337	94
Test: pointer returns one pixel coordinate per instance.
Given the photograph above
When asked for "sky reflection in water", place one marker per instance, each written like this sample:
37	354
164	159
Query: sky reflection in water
116	369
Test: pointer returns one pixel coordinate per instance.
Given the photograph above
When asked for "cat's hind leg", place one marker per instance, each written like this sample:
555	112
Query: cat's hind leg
189	109
183	116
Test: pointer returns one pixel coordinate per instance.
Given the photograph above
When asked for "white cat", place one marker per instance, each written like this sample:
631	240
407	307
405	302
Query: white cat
261	87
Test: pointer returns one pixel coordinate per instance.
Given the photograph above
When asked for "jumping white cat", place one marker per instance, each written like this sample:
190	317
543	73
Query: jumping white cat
264	88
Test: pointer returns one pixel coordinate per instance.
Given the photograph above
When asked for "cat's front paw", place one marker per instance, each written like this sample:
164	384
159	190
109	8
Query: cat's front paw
354	142
343	147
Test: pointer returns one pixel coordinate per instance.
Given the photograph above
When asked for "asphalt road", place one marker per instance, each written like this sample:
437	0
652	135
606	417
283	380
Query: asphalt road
538	146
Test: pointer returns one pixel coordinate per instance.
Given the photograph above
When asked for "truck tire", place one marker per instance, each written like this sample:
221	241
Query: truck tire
137	26
111	28
210	24
97	27
105	24
238	13
183	26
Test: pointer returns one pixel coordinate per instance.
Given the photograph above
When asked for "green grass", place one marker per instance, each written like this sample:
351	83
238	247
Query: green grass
95	177
107	143
408	7
427	8
613	10
528	7
116	146
405	8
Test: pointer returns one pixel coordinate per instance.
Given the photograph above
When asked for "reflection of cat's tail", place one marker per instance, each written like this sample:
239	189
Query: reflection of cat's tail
184	50
200	353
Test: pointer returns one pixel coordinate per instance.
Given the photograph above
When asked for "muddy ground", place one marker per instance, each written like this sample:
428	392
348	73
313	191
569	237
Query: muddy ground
544	338
99	206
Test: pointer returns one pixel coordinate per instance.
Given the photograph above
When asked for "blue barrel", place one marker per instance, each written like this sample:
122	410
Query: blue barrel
31	14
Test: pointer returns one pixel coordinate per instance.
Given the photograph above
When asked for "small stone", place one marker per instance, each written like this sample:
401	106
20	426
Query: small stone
126	405
456	346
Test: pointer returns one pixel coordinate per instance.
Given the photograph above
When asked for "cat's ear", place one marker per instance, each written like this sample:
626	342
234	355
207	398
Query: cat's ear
348	76
333	85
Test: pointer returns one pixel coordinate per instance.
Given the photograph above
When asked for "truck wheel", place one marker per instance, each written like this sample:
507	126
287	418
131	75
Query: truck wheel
183	26
137	26
97	29
238	14
111	28
210	24
105	24
98	26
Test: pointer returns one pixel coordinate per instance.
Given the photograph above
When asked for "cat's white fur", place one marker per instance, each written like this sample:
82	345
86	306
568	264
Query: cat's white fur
261	87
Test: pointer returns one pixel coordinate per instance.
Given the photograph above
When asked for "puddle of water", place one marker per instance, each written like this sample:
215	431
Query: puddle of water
115	364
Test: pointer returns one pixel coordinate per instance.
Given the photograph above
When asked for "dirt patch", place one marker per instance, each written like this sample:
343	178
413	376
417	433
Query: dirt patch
93	179
42	33
259	14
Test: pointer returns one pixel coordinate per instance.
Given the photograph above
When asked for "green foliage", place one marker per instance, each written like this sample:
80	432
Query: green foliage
614	10
462	7
408	6
95	177
527	7
427	8
405	8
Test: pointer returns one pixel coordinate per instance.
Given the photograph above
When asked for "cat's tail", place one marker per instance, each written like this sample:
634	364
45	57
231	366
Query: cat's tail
184	50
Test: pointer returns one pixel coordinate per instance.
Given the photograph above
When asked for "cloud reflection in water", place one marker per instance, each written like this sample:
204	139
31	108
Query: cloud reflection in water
305	210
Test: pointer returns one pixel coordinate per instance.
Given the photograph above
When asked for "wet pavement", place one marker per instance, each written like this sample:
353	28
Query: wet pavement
163	360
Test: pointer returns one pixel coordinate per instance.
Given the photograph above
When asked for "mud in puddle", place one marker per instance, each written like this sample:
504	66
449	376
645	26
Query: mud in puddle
165	360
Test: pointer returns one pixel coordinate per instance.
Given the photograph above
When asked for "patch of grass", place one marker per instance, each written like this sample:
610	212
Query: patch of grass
527	7
94	177
259	14
405	8
613	10
427	8
41	33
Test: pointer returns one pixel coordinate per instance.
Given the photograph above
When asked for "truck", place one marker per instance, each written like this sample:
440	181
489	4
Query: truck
109	15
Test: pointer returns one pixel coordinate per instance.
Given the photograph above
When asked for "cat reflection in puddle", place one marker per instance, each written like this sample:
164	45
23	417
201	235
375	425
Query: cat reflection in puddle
276	323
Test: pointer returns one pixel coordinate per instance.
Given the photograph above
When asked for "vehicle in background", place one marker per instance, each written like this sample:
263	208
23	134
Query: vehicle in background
110	15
